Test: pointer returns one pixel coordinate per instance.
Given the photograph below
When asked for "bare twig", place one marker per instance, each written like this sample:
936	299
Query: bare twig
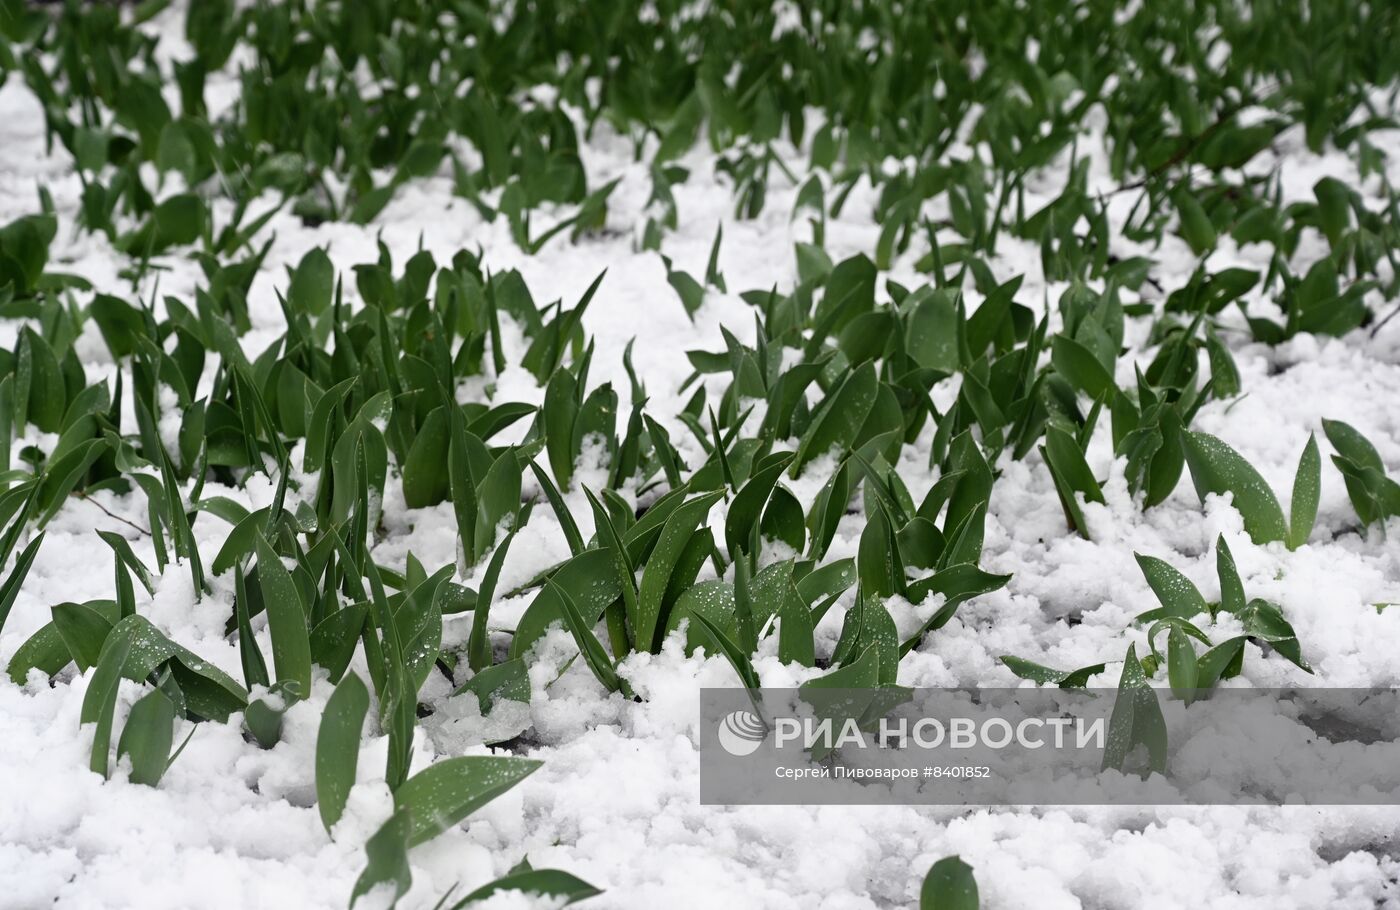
1375	330
131	524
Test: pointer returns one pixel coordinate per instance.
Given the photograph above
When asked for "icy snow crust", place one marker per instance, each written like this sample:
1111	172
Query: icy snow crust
233	825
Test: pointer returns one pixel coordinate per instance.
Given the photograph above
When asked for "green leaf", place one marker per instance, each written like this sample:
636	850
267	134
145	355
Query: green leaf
592	577
43	397
1178	595
360	437
209	692
931	335
507	681
675	535
65	474
1231	588
498	498
783	519
679	135
561	510
865	337
441	795
796	627
338	747
334	638
479	640
83	631
100	700
862	673
1373	495
1072	476
732	652
957	583
1068	458
1351	445
837	423
869	626
558	414
319	429
610	540
249	654
1264	621
15	580
263	716
1181	663
546	352
418	622
1217	468
588	644
1225	376
1220	662
747	507
1046	676
1307	486
1136	720
877	562
949	885
850	291
122	548
1333	208
387	852
176	221
286	618
713	276
690	291
561	887
498	418
1196	228
44	651
147	737
713	598
312	283
425	483
119	322
16	508
459	476
1080	367
828	581
175	152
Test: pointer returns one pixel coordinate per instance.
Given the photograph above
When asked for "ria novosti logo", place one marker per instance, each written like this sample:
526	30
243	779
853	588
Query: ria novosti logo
741	733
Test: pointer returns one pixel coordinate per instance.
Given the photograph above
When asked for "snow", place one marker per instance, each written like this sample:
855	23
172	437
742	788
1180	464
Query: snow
616	801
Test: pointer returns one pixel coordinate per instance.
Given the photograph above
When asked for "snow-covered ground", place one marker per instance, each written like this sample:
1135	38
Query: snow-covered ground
617	800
